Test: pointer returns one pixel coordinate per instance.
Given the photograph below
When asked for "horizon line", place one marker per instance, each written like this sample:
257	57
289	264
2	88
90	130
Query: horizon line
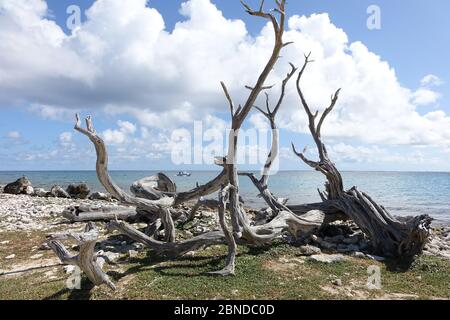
210	170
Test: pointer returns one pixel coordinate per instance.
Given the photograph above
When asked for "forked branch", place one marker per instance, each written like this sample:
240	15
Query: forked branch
86	259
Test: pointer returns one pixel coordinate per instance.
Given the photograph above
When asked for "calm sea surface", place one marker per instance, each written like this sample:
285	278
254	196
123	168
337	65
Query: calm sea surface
403	193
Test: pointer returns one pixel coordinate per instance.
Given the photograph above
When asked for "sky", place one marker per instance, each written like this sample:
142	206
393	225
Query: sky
149	73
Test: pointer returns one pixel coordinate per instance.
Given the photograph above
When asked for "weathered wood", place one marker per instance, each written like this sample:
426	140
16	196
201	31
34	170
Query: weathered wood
239	220
154	187
86	259
229	236
388	235
86	214
262	184
170	249
106	180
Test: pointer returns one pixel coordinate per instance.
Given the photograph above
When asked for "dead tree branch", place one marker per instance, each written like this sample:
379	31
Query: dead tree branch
86	259
388	235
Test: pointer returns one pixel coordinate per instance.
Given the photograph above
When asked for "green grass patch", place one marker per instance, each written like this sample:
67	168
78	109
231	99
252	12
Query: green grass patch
261	273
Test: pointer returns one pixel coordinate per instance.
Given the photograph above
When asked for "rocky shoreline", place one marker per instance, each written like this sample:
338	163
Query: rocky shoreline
27	213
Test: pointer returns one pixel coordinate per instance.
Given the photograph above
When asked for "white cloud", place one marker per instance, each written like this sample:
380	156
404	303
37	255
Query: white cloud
120	135
52	113
259	121
345	153
168	79
14	135
431	80
65	137
423	97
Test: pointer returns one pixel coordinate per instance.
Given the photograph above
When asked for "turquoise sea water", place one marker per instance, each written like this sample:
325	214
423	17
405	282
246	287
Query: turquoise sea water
403	193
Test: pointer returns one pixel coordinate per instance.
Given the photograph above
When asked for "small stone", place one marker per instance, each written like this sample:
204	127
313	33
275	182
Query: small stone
358	254
111	256
4	242
69	269
327	258
29	190
337	282
190	254
11	256
309	250
100	196
36	256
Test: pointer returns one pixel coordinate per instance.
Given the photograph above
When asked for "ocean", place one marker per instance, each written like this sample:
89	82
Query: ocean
402	193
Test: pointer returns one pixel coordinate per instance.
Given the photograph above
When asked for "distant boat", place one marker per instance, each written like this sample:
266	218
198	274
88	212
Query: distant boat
183	174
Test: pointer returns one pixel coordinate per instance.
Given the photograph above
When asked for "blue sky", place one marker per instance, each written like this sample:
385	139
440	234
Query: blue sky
413	48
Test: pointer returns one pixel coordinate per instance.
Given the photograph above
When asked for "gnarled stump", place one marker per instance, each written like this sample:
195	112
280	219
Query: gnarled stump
388	235
86	259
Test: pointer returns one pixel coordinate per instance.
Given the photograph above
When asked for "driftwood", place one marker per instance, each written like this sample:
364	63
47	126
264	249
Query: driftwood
86	259
169	249
156	200
389	236
154	187
86	214
262	184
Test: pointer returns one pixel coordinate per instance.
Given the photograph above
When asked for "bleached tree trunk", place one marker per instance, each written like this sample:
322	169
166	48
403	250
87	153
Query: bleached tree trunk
242	231
389	236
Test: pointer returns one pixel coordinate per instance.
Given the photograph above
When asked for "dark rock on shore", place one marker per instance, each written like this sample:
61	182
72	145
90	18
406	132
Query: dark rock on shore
20	186
80	191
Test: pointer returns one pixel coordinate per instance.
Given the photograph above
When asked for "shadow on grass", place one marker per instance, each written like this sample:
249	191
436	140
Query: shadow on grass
399	265
84	293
